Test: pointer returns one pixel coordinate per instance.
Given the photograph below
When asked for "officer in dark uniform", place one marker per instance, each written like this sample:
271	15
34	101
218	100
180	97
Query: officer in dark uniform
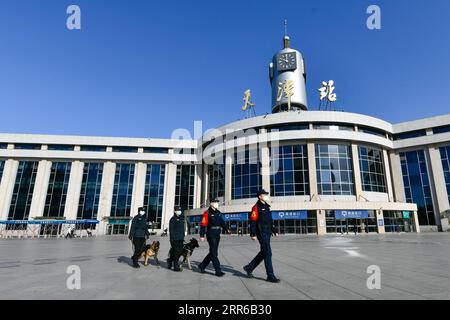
262	228
176	233
138	234
212	224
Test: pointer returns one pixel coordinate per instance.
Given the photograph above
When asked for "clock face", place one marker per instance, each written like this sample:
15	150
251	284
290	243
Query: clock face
287	61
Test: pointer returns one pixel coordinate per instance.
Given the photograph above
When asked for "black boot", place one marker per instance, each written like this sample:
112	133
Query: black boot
176	267
136	264
169	263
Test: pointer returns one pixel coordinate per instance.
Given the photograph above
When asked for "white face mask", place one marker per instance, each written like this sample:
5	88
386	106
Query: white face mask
141	213
178	213
265	198
215	205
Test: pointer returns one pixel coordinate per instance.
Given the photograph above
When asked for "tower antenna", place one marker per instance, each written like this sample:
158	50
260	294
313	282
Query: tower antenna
285	27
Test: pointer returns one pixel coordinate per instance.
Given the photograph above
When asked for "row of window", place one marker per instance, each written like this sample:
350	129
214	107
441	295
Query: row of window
91	187
90	148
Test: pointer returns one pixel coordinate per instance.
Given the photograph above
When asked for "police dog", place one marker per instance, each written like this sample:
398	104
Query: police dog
188	249
151	250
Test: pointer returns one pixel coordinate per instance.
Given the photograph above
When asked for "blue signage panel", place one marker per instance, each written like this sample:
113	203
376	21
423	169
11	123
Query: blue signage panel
351	214
290	215
235	216
11	222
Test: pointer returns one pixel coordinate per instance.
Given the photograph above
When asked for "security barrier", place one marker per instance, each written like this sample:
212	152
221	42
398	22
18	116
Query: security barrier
48	228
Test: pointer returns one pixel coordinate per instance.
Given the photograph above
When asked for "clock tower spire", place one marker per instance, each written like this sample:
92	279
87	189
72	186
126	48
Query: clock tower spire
288	78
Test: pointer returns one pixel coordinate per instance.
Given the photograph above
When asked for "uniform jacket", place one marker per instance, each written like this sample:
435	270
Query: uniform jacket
139	227
176	227
211	218
261	219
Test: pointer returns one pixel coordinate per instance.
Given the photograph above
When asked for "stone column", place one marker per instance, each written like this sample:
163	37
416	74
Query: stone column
40	189
7	186
205	184
198	185
387	172
437	183
74	190
265	165
169	194
356	172
312	172
106	193
321	222
416	222
380	216
229	157
137	199
397	177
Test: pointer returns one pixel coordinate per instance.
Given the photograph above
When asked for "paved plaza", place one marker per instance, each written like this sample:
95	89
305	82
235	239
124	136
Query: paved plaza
413	266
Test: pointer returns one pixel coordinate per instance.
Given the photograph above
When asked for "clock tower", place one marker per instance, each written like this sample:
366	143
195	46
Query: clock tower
288	79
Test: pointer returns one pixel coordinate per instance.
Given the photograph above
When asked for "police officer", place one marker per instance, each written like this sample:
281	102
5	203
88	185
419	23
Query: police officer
176	232
212	224
261	228
138	234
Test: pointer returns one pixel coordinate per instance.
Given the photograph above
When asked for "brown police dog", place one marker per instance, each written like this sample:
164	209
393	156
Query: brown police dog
151	250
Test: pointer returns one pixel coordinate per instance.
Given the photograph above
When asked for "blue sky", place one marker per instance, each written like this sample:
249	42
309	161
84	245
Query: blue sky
145	68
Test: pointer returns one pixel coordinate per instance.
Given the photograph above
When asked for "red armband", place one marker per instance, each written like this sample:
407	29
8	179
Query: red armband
204	222
254	214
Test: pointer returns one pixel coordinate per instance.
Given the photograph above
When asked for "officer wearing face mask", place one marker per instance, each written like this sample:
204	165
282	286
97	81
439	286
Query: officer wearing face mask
176	232
212	224
138	234
262	228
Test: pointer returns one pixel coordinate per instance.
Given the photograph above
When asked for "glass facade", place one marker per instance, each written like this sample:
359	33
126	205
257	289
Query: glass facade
216	179
417	185
55	201
154	192
23	190
334	169
123	190
185	186
289	171
246	174
371	164
90	191
445	157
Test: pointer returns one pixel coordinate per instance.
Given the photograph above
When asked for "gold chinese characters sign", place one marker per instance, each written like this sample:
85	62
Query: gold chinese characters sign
286	90
327	93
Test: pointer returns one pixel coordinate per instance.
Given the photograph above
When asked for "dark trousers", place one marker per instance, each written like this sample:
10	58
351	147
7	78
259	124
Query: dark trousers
264	254
138	244
213	241
176	250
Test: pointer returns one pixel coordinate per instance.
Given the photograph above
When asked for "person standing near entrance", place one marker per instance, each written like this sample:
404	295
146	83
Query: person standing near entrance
138	234
262	228
176	233
212	224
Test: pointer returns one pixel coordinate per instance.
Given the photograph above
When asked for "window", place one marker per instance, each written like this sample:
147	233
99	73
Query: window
3	145
125	149
2	167
445	157
289	171
333	126
409	135
443	129
55	201
93	148
246	174
216	179
372	131
185	183
334	170
154	193
90	191
27	146
123	190
417	185
23	190
60	147
156	150
371	164
288	127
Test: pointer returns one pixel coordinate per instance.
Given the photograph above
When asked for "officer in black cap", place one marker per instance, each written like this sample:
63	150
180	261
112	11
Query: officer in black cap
138	234
262	228
212	224
176	232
